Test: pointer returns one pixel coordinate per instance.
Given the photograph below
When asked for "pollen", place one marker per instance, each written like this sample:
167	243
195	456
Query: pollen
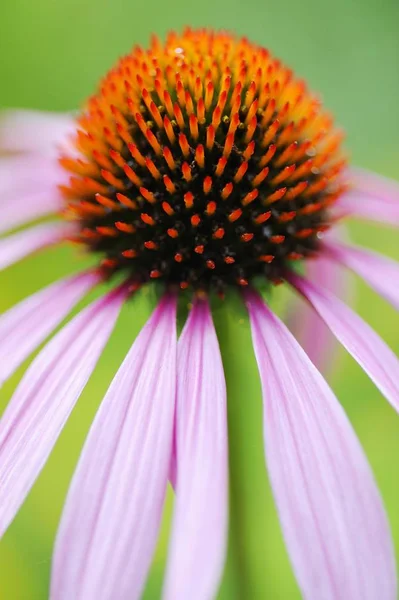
202	162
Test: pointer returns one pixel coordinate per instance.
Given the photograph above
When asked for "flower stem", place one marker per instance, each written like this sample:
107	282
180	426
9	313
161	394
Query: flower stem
249	493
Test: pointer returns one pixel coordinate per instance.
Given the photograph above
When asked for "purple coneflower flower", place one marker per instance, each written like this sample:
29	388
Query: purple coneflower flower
200	165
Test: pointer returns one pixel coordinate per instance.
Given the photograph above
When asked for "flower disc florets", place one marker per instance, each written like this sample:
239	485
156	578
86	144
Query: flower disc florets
203	162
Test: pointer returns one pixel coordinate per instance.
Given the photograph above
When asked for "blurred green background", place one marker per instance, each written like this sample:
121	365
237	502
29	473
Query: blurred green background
52	55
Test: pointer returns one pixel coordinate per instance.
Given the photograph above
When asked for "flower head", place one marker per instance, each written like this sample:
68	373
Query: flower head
204	164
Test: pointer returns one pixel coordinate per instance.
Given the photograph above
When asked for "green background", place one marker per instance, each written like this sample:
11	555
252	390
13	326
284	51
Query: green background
52	54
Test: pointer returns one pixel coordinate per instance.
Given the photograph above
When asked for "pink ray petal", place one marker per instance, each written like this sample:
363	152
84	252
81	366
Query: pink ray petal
332	516
372	183
24	208
45	398
308	328
113	510
24	174
380	272
199	531
360	340
173	460
306	325
19	245
24	327
34	131
356	203
372	197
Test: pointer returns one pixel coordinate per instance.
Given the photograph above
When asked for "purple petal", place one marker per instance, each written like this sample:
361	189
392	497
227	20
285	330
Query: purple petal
359	204
308	328
29	188
380	272
34	131
23	208
199	530
110	523
374	184
370	351
173	463
45	398
331	513
373	198
15	247
23	327
23	174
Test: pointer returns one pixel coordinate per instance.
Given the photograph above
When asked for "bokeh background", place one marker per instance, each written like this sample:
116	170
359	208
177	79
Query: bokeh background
52	55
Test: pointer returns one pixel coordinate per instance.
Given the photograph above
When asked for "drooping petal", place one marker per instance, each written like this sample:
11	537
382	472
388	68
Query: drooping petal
199	530
29	188
113	510
360	340
25	207
331	513
372	197
359	204
380	272
34	131
308	328
385	188
24	327
27	174
45	398
15	247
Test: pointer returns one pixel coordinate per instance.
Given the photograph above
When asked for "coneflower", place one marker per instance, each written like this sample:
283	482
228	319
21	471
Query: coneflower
201	165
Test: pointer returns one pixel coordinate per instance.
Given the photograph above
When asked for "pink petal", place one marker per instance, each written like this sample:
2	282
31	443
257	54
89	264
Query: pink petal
311	332
23	327
199	532
24	174
173	464
15	247
45	398
359	204
306	325
34	131
25	207
380	272
370	351
373	198
113	510
372	183
331	513
29	188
